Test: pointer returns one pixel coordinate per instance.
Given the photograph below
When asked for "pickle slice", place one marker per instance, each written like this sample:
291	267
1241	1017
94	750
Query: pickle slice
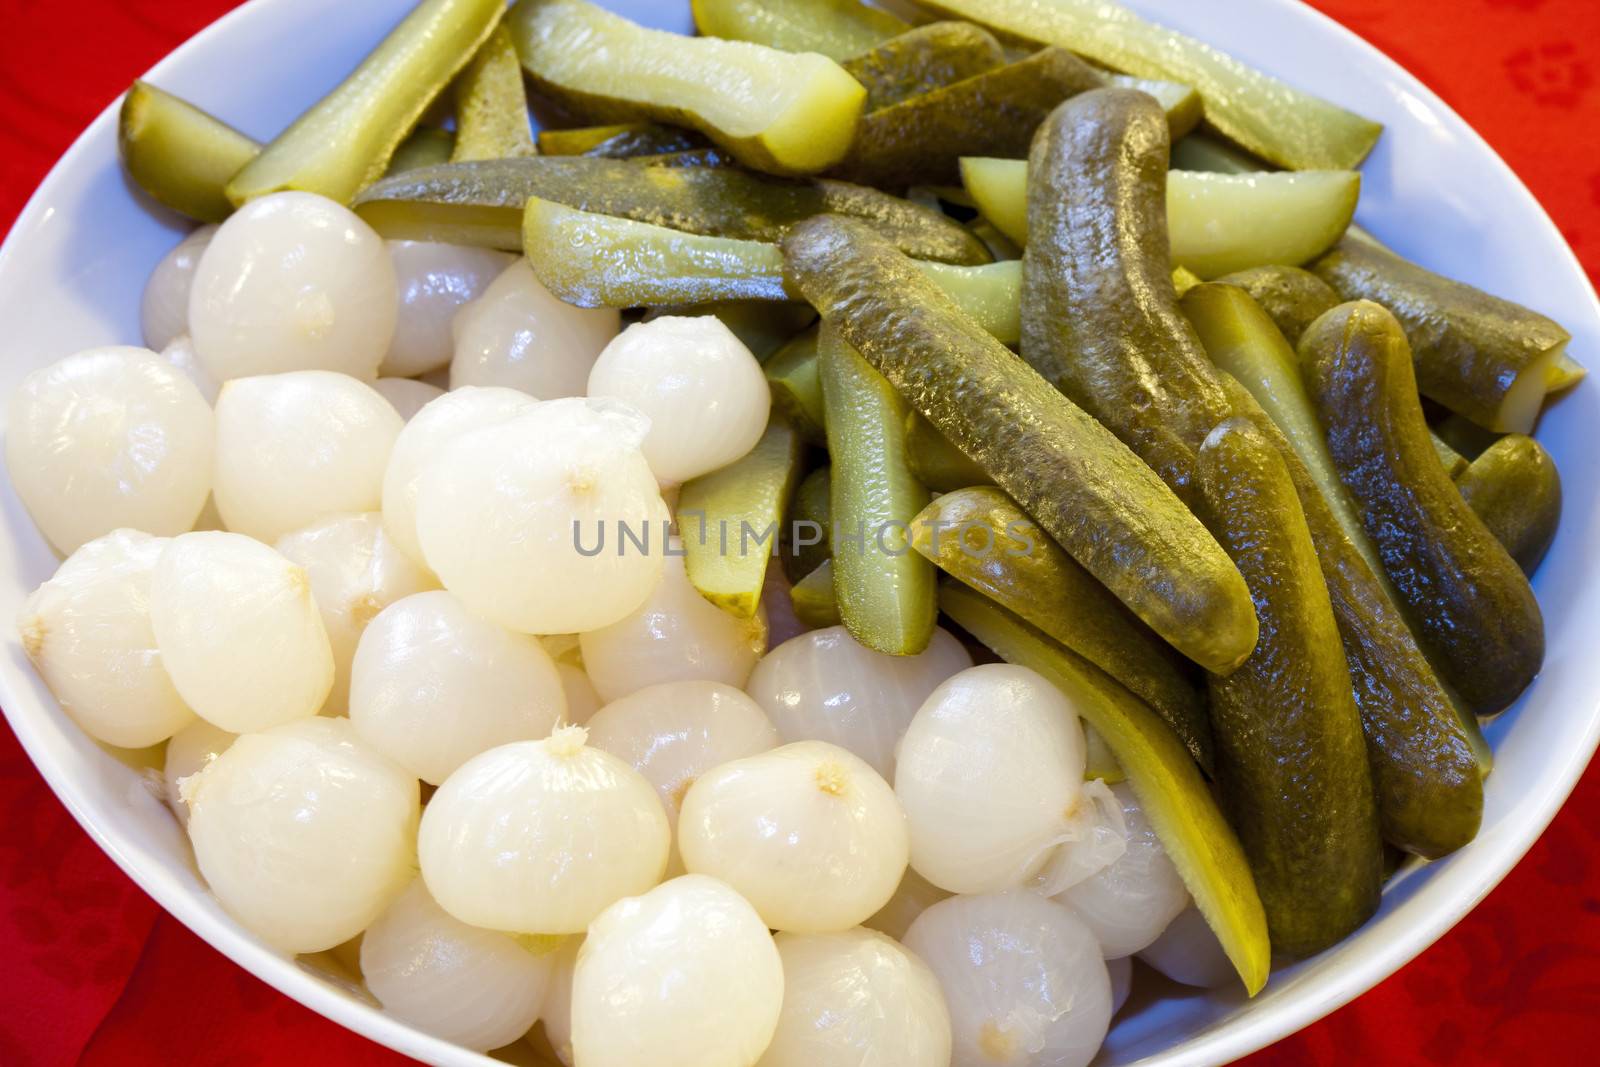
796	388
885	590
1217	223
428	146
491	104
1175	798
1181	102
729	520
1202	152
980	537
626	140
990	294
937	463
773	110
924	59
1564	373
179	154
834	28
344	142
1277	122
1291	297
806	541
714	201
815	603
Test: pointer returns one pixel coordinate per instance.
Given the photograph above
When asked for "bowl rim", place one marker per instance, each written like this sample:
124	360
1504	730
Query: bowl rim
1480	868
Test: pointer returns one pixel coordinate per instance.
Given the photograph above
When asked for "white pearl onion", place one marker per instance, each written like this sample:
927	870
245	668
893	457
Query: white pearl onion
914	896
180	353
355	572
440	421
407	395
556	1012
857	999
826	686
1120	971
684	976
433	685
239	631
88	632
808	833
1023	979
107	439
189	752
675	635
539	837
520	336
990	773
1189	953
164	310
295	448
704	393
508	516
1129	902
293	281
478	988
674	732
304	834
434	281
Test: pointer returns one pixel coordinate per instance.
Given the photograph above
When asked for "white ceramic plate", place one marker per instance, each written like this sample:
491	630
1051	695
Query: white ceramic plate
71	274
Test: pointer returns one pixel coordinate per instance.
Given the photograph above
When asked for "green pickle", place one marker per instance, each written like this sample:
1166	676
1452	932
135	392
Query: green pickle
990	294
1468	600
1086	489
835	28
885	590
1170	788
937	463
625	140
344	142
178	154
1274	120
1515	489
1203	152
797	389
729	520
810	515
923	59
980	537
1291	297
815	603
775	111
1452	461
428	146
491	104
1291	762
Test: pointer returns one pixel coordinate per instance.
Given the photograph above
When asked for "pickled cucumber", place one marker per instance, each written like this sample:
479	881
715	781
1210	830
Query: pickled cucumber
885	590
428	146
729	520
990	294
1217	223
1291	761
491	105
344	142
1088	491
796	388
1565	372
1292	297
815	602
1515	489
807	536
1468	600
835	28
489	196
1478	355
775	111
1166	780
178	154
1277	122
923	59
980	537
937	463
625	140
1452	461
1203	152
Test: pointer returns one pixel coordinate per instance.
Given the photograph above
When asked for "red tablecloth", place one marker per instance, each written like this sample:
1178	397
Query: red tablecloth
92	972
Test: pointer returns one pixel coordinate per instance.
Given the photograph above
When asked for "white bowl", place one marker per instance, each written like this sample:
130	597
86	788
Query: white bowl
71	274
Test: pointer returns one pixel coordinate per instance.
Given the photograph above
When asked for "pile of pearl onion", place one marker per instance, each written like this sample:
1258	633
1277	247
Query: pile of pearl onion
675	635
293	281
539	837
239	631
304	834
1130	901
519	335
433	685
656	969
808	833
704	393
434	280
826	686
88	632
521	519
478	988
110	438
854	997
295	448
1022	977
1188	952
990	773
164	310
189	752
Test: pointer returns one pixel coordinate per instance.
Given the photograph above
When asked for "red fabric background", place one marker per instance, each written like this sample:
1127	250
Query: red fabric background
91	972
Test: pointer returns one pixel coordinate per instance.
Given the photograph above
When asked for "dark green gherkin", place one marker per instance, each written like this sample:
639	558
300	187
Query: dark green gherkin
1516	490
923	59
1291	297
